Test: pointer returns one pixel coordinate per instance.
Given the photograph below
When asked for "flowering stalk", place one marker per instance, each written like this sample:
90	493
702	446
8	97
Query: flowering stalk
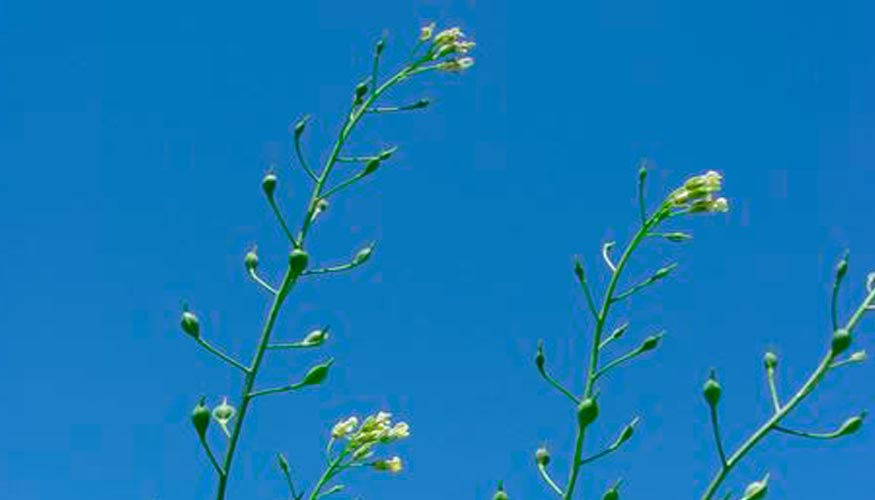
697	195
445	51
841	341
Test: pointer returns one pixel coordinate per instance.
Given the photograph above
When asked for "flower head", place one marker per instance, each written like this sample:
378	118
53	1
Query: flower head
697	194
362	439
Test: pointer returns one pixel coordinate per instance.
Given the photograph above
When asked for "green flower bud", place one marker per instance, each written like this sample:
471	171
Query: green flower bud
650	343
500	494
539	357
611	494
757	490
842	268
663	272
587	412
421	103
626	433
381	44
317	374
542	456
770	360
642	172
677	237
619	331
190	324
282	462
200	418
268	184
841	340
298	260
578	270
363	255
851	425
251	260
316	337
712	390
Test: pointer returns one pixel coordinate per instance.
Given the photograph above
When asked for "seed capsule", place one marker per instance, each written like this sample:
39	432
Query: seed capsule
542	456
316	337
371	166
611	494
282	462
190	324
587	412
851	425
200	418
268	184
317	374
841	340
539	357
712	390
770	360
251	260
363	255
298	260
500	494
650	343
757	490
842	268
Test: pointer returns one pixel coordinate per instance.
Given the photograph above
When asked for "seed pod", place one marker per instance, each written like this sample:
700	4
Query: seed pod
298	260
626	433
757	490
360	91
381	44
200	418
677	237
500	494
421	103
712	390
299	127
770	360
251	260
542	456
371	166
578	270
316	337
268	184
363	255
611	494
539	357
317	374
190	324
662	272
224	412
587	412
642	172
650	343
282	462
842	268
851	425
841	340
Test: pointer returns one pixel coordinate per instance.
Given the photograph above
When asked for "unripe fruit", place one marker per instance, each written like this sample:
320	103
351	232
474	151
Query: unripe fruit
712	390
316	337
770	360
650	343
500	494
851	425
611	494
539	357
251	260
268	184
542	456
363	255
587	412
190	324
841	340
282	462
200	418
317	374
298	260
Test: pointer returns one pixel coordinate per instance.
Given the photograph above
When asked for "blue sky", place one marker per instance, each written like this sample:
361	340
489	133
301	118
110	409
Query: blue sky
133	139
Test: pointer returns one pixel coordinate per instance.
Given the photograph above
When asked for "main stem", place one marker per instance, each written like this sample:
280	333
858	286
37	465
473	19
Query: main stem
770	424
291	278
591	373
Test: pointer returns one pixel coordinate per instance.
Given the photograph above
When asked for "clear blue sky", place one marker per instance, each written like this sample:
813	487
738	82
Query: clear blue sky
133	139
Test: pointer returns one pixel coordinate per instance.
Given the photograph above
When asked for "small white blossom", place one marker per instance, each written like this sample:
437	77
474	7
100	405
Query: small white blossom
392	465
344	427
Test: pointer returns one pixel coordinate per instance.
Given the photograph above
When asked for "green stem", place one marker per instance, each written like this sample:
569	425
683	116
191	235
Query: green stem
772	423
326	476
601	318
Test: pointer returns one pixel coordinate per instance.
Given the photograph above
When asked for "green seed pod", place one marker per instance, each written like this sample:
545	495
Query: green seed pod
500	494
298	260
251	260
200	418
578	270
626	433
282	462
539	357
851	425
363	255
371	166
268	184
757	490
224	412
587	412
842	268
421	103
611	494
642	172
650	343
841	340
316	337
712	390
770	360
190	324
360	91
317	374
300	126
542	456
677	237
662	272
381	44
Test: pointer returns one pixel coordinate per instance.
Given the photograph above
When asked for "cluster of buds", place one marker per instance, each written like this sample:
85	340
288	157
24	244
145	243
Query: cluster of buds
449	46
374	430
698	194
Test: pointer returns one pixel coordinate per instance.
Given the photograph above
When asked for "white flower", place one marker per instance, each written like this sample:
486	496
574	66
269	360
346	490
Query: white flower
392	465
426	32
344	428
399	431
456	65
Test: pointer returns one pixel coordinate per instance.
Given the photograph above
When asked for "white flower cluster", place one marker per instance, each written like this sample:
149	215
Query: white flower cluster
698	194
374	430
449	43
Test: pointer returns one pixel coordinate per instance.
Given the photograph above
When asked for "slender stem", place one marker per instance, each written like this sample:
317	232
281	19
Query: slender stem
326	476
773	388
769	425
255	277
245	398
550	380
601	318
274	390
281	219
224	357
212	457
343	185
300	154
549	480
622	359
809	435
715	426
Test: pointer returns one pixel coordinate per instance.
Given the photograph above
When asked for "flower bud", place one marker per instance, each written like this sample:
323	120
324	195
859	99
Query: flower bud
316	337
677	237
663	272
282	462
251	260
190	324
770	360
611	494
542	456
299	127
317	374
419	104
841	340
587	412
200	418
268	184
757	490
578	270
650	343
539	357
626	433
500	494
857	357
363	255
712	390
842	268
642	172
298	260
851	425
381	44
